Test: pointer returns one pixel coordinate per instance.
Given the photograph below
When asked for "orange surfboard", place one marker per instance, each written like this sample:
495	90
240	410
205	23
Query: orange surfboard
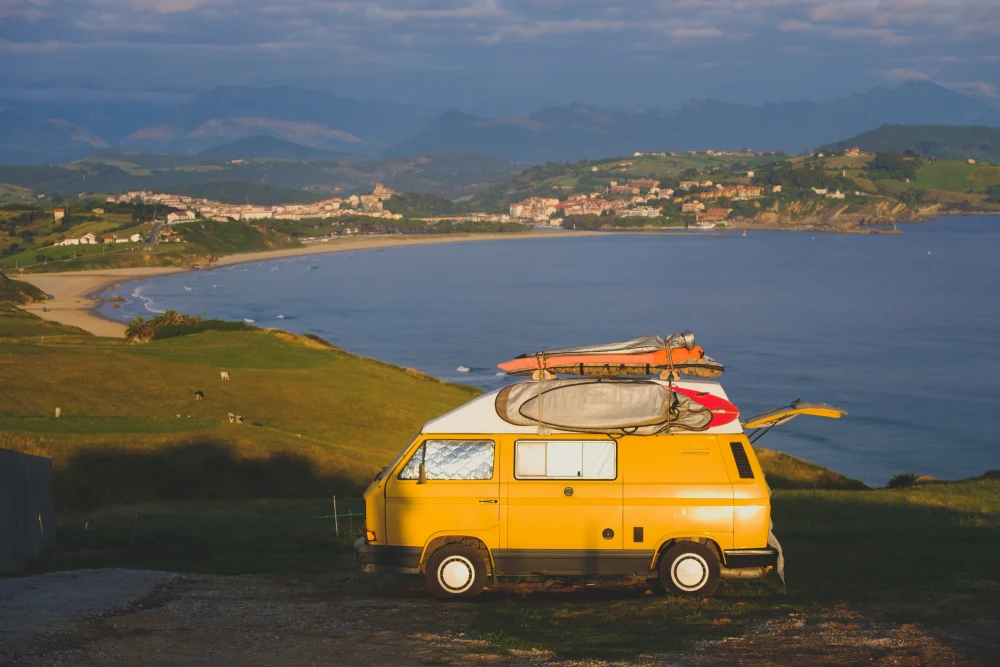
657	359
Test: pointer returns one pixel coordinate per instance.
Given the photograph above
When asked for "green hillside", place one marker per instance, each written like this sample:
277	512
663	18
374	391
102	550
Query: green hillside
18	292
938	141
308	178
317	419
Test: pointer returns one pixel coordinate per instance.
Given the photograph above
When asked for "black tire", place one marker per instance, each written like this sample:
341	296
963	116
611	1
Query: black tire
690	568
655	585
456	572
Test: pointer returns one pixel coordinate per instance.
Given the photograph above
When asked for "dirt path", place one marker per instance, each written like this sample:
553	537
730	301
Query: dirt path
349	620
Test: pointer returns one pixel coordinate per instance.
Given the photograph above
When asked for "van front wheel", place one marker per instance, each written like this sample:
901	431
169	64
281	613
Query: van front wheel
456	571
690	568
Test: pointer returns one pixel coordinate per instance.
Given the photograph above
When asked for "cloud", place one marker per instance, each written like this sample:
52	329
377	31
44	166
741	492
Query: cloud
904	74
481	9
695	33
885	36
563	45
548	28
796	26
29	10
977	88
175	6
48	46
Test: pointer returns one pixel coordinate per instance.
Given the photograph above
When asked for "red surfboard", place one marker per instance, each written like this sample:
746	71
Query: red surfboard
723	411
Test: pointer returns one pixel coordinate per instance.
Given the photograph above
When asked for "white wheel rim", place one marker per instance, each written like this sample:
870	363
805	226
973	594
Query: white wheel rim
456	574
689	572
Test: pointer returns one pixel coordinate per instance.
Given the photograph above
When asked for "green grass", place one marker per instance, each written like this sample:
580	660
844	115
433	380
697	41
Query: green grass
952	176
223	238
922	555
318	420
220	537
788	472
102	425
18	292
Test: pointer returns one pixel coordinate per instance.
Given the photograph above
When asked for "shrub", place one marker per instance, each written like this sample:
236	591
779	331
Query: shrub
902	480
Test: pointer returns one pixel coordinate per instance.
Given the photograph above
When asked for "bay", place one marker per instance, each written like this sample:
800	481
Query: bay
901	331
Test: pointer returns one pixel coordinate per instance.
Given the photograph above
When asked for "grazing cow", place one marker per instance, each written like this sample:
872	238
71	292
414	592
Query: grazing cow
239	420
198	395
225	375
232	418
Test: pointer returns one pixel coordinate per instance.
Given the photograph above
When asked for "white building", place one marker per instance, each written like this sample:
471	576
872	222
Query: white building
180	216
640	212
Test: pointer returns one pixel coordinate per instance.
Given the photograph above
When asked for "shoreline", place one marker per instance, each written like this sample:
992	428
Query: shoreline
74	294
75	302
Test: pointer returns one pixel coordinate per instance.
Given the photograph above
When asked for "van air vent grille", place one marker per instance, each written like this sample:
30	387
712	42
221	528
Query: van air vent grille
742	462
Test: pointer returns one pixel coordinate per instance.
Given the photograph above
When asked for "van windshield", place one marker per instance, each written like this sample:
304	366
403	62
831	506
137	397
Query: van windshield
379	477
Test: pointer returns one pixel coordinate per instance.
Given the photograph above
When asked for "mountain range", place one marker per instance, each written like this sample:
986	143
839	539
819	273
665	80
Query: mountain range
579	131
33	132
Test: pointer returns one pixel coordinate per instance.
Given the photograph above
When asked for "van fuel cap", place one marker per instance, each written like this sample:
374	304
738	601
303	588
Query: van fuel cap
568	490
608	534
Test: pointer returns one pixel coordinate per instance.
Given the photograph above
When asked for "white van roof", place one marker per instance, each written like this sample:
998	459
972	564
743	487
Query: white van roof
480	414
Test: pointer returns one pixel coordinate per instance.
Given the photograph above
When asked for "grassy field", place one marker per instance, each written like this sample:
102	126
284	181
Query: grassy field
922	556
953	176
317	419
148	477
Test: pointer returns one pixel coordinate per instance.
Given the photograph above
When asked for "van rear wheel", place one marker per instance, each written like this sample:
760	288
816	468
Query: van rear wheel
456	571
690	568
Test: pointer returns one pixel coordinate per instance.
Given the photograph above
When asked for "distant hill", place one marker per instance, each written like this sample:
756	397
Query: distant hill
114	171
261	146
26	140
243	192
33	132
579	131
308	117
938	141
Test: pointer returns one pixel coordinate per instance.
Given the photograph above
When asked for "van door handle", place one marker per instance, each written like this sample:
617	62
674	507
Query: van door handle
491	500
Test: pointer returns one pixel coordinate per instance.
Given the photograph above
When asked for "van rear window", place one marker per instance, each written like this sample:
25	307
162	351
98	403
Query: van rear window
566	459
451	459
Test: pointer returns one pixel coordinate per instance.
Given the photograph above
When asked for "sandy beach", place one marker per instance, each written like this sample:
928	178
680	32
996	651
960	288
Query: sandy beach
74	296
74	293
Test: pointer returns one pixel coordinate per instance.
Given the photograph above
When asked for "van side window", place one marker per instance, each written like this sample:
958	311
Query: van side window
451	459
566	459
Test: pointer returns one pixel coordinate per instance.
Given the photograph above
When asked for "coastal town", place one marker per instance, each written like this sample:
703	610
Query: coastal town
845	190
194	208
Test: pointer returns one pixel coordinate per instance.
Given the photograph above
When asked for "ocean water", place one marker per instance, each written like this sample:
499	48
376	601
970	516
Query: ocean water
901	331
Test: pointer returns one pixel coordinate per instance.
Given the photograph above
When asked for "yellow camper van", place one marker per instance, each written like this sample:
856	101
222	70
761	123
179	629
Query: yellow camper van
477	496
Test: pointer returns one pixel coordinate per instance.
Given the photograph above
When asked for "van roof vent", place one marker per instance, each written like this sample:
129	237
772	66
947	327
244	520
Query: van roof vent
742	462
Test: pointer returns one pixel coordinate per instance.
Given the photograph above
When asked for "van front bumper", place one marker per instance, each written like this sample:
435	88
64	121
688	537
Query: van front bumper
379	558
739	558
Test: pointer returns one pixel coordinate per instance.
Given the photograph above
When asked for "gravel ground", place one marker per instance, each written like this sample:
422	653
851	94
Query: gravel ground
154	619
35	608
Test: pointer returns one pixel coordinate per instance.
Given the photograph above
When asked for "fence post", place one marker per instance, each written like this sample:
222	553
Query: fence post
336	524
134	523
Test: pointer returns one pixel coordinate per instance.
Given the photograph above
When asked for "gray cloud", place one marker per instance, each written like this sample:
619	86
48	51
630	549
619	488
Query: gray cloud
414	48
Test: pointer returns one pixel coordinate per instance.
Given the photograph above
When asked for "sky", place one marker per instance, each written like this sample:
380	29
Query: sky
497	57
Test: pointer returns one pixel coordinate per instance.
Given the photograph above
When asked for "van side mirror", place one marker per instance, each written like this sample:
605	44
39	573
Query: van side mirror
422	478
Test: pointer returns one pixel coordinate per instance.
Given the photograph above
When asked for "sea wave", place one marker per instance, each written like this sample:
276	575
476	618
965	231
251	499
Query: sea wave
147	303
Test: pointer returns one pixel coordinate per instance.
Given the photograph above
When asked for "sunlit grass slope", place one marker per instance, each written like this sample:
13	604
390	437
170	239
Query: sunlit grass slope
317	420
